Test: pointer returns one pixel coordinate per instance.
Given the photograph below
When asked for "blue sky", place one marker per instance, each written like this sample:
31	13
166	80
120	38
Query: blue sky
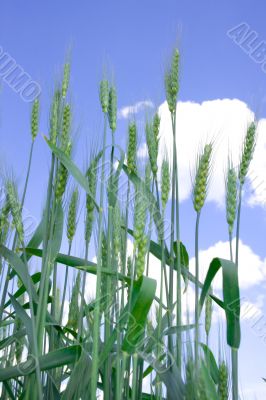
134	40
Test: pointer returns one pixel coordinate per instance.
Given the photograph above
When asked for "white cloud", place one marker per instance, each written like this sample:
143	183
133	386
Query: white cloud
222	121
126	111
142	152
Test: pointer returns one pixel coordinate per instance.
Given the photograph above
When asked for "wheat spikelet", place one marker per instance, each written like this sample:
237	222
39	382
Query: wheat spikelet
104	95
73	315
92	180
66	78
231	197
72	215
15	209
112	108
132	147
140	219
201	179
171	82
54	117
165	183
223	381
247	153
208	314
152	147
35	118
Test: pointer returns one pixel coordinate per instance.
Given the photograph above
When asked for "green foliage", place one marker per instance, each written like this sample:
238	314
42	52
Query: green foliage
111	342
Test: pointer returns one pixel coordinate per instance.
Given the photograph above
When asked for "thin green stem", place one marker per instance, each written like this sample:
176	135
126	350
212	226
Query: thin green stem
159	331
149	234
230	245
28	174
96	324
64	287
124	271
107	314
196	343
238	224
234	361
234	352
178	256
134	378
82	302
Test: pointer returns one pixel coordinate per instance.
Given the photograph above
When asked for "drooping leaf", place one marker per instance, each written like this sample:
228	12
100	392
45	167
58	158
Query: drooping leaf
20	269
143	295
231	297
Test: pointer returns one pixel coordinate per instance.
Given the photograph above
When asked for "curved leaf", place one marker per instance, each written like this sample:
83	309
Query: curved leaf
143	295
20	269
231	297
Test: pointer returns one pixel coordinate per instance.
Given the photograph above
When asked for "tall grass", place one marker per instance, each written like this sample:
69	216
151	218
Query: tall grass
111	345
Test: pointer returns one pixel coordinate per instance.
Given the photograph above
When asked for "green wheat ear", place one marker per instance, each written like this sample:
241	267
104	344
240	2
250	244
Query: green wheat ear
156	129
66	147
165	183
247	153
15	209
201	178
171	82
104	95
223	382
190	379
72	215
132	147
66	125
140	238
4	221
152	144
73	315
54	117
66	78
117	220
90	205
35	118
231	196
112	108
148	175
208	314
